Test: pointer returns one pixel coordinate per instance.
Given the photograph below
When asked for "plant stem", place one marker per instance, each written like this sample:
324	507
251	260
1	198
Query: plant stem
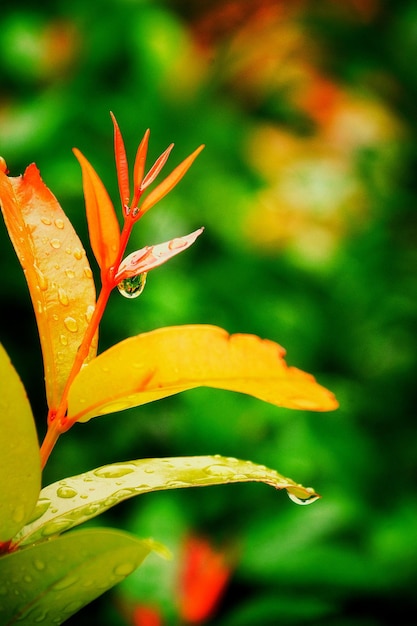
48	443
58	421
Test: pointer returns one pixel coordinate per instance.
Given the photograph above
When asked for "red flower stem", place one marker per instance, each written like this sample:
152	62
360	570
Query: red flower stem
58	421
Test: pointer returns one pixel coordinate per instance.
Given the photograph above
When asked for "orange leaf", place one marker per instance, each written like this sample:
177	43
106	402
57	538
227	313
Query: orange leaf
103	226
166	361
150	257
169	182
56	269
140	160
156	167
121	164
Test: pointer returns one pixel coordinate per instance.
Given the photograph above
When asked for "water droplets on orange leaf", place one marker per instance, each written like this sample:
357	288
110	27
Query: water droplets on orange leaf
58	284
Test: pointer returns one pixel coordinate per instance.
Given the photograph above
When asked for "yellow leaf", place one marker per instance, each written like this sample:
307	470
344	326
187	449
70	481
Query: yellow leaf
57	271
20	467
169	360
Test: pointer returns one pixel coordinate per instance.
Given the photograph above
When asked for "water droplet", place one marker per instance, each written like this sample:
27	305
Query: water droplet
309	500
70	273
121	495
66	492
132	287
71	324
91	510
64	583
55	243
41	507
68	250
72	607
220	470
178	484
87	272
59	223
55	528
78	254
176	244
89	312
113	471
39	565
124	569
39	306
38	617
42	280
63	296
46	221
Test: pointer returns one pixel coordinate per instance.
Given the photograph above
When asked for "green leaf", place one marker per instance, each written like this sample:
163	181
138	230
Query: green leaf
20	470
48	582
72	501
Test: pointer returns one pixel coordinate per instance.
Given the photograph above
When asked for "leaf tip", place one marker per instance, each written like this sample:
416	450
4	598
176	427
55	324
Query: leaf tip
3	166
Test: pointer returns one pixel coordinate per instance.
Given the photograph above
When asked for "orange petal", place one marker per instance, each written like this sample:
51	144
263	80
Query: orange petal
103	226
56	269
166	361
169	182
203	580
144	615
140	160
150	257
121	164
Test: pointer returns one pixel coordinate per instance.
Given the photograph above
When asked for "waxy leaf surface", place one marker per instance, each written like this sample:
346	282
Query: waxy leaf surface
75	500
169	360
20	468
48	582
56	269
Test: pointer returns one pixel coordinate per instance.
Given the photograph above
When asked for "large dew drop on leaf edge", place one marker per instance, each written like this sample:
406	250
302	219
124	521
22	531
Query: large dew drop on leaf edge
166	361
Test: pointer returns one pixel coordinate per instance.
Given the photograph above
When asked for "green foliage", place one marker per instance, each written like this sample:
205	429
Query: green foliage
76	499
20	468
50	581
341	298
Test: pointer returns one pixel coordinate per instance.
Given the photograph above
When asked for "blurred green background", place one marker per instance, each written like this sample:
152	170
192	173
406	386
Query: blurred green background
307	191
